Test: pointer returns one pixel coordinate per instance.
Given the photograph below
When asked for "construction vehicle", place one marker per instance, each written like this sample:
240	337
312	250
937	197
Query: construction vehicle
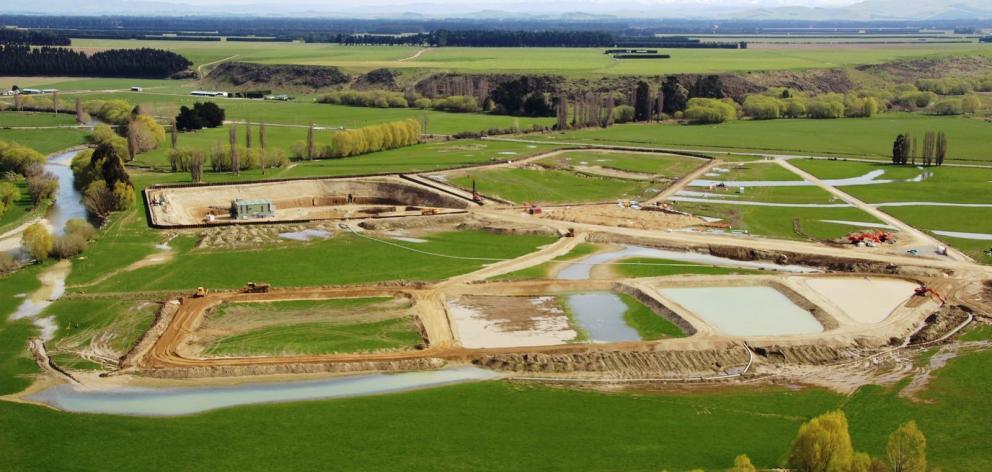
871	238
924	291
570	233
200	292
428	211
532	209
475	194
252	287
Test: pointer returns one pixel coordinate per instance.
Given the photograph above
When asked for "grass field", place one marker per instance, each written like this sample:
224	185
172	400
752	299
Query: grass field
781	222
13	118
313	327
45	141
650	267
422	157
541	271
941	184
634	432
118	324
303	111
552	186
343	259
22	209
322	338
565	61
664	165
647	323
871	137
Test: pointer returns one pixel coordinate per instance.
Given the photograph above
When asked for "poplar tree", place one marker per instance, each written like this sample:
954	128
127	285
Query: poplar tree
232	138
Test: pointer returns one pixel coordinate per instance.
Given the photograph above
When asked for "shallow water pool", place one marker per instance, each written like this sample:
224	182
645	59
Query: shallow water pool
745	311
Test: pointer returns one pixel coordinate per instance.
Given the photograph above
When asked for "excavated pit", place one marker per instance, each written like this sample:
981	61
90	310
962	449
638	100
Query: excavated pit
298	201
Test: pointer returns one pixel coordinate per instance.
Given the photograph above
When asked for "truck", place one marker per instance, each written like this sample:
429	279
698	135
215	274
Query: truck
253	287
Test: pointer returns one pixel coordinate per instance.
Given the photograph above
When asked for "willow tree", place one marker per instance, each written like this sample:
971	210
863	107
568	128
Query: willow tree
310	143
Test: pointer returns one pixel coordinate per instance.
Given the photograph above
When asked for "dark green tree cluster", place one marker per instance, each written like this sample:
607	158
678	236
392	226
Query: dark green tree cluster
33	37
22	59
523	96
202	115
905	149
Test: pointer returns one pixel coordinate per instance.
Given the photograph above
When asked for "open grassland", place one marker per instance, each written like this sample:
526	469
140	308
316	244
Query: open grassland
22	210
34	118
651	267
114	325
304	111
940	184
343	259
662	165
552	186
565	61
313	327
322	338
541	271
647	323
785	223
870	137
630	431
45	141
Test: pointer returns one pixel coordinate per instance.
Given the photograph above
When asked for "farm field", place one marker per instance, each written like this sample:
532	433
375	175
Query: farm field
564	61
308	264
782	223
630	430
668	166
552	186
572	314
311	327
45	141
869	137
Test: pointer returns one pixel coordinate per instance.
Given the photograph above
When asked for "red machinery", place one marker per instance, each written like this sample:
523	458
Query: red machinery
924	291
875	237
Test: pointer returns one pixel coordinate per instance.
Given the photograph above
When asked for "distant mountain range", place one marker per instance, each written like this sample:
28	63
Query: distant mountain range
574	10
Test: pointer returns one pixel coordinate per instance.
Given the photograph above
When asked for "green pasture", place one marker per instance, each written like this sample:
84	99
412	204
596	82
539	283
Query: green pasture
46	141
343	259
631	430
939	184
321	338
780	222
664	165
35	118
564	61
648	324
552	186
862	137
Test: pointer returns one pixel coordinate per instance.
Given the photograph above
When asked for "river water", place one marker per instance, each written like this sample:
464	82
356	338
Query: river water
68	205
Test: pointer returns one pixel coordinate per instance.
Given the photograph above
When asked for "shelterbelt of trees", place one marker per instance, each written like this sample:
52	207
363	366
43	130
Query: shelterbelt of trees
23	60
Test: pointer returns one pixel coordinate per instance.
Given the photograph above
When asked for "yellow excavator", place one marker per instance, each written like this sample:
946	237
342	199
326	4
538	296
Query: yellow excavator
200	292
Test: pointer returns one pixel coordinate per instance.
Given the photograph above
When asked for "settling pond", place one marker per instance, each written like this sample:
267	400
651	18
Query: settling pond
745	311
189	400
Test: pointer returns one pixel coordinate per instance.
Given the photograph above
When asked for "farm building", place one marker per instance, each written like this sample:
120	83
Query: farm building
242	209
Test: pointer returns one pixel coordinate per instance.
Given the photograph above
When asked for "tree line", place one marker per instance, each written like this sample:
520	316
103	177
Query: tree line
23	60
32	37
931	152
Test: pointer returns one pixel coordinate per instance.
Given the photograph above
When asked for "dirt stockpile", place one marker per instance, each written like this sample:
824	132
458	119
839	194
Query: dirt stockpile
805	354
624	364
612	215
296	368
940	323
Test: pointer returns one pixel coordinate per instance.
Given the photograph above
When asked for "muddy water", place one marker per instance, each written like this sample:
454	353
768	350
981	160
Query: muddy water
52	287
68	205
68	202
600	315
581	269
189	400
745	311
